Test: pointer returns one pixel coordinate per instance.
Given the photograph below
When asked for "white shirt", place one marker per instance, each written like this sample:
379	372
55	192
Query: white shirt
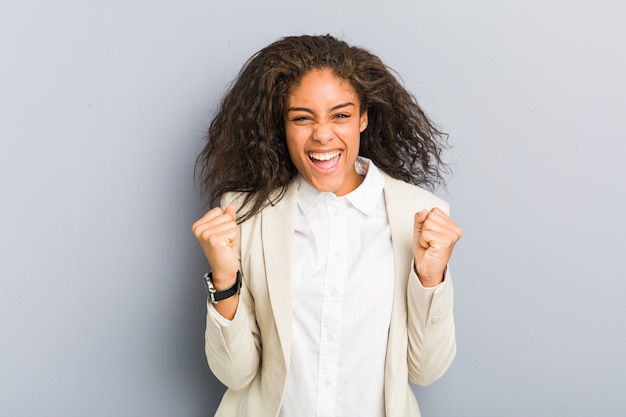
342	284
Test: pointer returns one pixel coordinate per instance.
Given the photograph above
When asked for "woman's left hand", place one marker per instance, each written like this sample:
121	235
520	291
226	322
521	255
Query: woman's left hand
434	237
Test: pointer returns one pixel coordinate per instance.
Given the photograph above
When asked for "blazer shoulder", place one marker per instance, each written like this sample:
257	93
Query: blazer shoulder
414	196
235	198
278	198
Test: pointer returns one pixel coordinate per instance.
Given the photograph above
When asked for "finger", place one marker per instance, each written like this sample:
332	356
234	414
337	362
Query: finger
214	212
230	210
420	217
217	231
214	228
438	221
208	216
213	220
437	236
430	239
418	227
435	218
221	239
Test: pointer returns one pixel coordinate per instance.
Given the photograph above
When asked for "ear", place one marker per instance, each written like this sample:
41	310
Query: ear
363	121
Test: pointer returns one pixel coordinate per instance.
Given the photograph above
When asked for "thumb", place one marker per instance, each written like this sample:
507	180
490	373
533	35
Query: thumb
418	224
230	210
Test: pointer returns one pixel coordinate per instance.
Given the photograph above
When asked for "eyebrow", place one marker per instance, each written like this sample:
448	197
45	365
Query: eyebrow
305	109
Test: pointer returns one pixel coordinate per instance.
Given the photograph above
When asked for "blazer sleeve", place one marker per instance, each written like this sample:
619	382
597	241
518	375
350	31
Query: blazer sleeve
233	351
430	326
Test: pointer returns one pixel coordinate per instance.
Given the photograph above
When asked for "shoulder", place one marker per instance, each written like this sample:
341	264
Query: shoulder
237	199
244	201
414	198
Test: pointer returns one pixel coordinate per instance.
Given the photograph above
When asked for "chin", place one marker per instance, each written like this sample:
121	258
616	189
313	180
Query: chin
326	187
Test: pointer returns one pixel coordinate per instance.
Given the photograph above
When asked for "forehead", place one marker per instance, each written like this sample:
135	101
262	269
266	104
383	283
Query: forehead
321	84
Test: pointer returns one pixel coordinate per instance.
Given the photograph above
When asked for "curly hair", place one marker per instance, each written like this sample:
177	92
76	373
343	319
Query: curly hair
246	149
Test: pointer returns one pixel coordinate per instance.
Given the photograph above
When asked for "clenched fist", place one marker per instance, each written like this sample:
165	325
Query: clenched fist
216	232
434	237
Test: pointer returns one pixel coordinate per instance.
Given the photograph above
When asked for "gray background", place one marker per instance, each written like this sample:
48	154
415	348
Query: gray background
103	108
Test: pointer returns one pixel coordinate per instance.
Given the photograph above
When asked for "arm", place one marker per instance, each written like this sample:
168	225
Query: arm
430	298
432	342
233	349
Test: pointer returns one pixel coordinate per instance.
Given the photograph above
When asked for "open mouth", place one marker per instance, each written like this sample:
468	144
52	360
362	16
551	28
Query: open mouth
325	160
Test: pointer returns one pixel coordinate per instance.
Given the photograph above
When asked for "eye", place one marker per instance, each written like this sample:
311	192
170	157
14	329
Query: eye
341	116
300	119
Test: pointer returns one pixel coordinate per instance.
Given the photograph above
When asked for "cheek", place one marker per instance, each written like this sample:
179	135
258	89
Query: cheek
352	137
294	147
295	138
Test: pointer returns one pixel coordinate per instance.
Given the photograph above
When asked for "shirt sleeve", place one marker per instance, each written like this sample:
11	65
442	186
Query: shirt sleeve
221	320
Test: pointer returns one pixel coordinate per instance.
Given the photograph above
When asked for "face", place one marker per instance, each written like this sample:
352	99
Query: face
323	126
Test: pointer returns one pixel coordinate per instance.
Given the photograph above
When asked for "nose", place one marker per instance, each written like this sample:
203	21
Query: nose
323	133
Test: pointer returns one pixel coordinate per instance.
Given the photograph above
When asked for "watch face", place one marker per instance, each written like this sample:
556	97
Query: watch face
208	283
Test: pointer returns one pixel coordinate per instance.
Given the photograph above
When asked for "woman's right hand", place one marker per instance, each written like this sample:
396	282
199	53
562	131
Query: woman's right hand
216	232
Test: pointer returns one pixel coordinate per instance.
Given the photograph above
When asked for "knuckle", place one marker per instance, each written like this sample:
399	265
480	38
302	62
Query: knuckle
209	238
197	231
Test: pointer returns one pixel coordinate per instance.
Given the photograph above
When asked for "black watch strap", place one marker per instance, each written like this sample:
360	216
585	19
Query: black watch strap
217	296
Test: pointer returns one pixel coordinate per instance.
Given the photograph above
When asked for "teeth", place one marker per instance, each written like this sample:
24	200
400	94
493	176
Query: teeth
324	156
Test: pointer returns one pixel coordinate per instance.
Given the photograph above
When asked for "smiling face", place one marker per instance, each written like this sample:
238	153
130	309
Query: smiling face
323	125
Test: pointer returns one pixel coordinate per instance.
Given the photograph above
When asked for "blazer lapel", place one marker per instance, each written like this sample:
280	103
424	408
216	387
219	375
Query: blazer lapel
277	236
400	223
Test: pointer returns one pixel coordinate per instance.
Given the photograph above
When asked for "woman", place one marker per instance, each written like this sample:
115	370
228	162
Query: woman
329	286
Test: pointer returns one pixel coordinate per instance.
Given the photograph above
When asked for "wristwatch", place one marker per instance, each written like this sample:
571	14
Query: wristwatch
217	296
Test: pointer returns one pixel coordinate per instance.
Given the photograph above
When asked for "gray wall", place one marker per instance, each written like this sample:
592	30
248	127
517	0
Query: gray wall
103	107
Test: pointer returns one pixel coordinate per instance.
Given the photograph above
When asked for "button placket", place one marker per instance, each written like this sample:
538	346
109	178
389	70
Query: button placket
331	309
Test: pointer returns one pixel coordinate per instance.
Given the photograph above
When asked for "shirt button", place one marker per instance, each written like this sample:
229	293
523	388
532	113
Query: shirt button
330	337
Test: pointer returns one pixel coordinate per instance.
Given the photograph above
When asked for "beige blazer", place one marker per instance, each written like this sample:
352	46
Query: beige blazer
251	356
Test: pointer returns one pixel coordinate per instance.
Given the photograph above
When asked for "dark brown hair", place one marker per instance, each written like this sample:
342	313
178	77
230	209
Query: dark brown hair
246	150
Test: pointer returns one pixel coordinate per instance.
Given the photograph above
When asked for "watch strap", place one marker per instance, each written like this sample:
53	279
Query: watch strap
217	296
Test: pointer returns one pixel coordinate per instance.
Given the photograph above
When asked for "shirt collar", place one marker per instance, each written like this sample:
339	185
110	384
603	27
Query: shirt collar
363	198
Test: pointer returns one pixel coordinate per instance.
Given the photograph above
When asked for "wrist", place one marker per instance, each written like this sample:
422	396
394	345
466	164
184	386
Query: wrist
430	280
221	284
222	280
222	290
429	283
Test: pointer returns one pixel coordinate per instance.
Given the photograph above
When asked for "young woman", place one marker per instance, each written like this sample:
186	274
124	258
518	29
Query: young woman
329	288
